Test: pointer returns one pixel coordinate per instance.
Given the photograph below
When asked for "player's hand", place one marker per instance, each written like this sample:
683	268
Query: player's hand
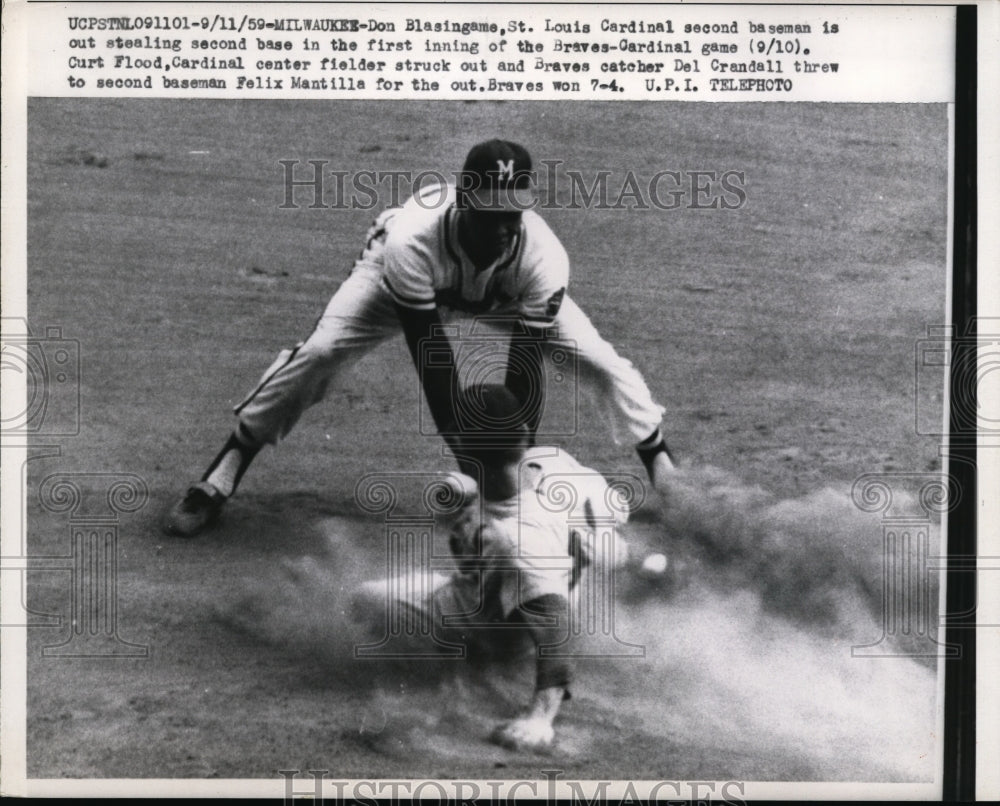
526	733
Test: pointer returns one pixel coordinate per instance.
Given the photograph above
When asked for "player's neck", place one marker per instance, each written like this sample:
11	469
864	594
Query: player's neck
480	262
481	258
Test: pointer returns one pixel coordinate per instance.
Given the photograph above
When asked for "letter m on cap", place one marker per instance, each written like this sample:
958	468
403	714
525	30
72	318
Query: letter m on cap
505	169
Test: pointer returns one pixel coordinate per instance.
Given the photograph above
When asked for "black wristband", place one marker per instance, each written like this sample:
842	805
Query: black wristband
546	619
650	447
434	360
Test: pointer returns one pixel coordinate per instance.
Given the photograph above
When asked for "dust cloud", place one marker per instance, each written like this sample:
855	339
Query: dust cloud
745	643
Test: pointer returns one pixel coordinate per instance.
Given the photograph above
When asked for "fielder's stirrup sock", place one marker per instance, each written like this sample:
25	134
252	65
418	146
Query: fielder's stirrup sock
232	462
649	448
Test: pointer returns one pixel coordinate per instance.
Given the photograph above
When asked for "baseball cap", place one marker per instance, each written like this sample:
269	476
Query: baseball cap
497	176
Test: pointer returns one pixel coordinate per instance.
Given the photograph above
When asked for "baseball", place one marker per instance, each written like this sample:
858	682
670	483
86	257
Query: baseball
654	564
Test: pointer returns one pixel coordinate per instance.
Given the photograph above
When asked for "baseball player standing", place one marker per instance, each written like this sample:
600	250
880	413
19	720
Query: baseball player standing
520	550
476	248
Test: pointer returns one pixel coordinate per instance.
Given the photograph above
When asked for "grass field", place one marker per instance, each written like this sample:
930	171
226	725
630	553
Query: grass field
780	337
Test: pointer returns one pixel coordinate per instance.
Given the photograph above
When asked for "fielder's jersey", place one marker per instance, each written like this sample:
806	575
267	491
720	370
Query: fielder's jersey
424	266
537	542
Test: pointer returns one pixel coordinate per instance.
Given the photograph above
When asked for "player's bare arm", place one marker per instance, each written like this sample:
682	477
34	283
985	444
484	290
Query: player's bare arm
525	377
434	360
545	619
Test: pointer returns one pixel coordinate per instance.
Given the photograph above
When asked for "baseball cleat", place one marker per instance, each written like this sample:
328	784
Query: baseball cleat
525	733
196	511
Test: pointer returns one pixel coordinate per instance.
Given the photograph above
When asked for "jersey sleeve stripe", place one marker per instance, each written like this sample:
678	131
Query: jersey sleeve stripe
538	322
409	302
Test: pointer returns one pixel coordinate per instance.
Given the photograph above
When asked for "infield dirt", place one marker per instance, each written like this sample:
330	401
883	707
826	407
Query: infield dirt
780	336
